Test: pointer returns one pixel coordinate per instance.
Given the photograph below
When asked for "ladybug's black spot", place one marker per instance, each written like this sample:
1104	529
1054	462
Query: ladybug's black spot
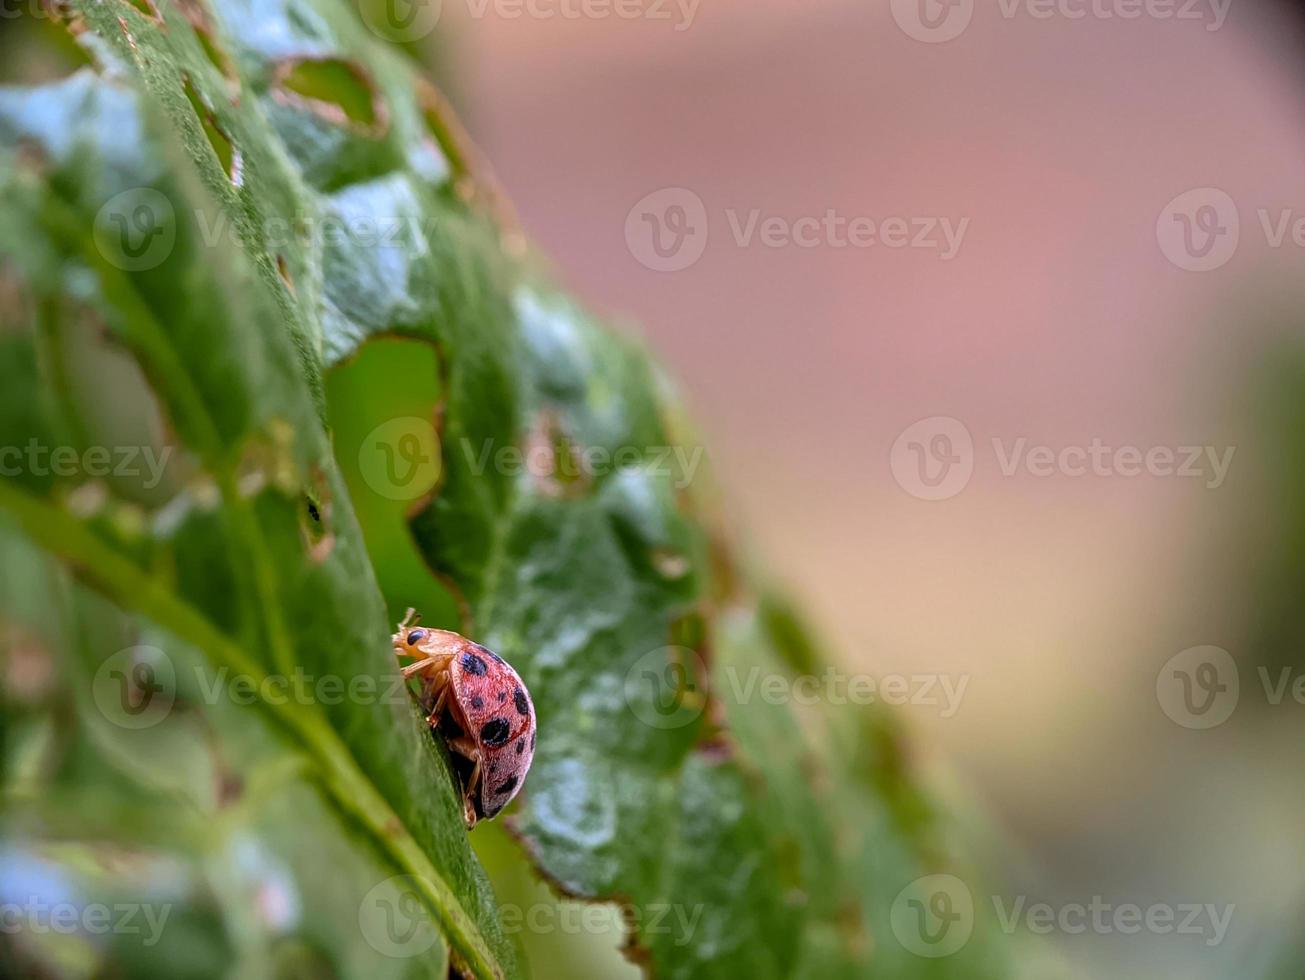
474	665
495	731
519	699
502	696
507	786
477	702
521	745
416	636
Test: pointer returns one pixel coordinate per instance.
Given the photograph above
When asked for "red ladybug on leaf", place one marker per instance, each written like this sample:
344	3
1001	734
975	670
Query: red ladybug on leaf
478	703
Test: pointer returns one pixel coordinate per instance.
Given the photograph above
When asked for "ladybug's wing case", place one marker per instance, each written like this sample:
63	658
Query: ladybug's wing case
500	718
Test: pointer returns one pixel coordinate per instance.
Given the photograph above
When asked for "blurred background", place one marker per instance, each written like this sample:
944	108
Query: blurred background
1067	313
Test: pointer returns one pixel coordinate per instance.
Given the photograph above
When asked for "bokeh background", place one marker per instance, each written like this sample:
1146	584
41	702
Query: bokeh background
1060	320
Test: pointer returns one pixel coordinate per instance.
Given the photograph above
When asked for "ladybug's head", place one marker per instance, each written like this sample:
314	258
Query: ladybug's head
423	643
411	641
409	637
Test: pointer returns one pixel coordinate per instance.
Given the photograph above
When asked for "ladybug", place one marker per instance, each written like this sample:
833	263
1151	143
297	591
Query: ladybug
477	702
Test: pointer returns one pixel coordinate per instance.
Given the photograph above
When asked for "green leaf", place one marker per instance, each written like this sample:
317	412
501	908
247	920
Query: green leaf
256	559
249	244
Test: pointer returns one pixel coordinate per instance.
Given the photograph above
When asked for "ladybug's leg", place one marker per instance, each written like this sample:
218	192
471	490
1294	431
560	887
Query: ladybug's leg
420	667
437	712
468	749
469	794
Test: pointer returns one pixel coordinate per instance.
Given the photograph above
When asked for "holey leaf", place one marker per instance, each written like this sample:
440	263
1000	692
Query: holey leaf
275	366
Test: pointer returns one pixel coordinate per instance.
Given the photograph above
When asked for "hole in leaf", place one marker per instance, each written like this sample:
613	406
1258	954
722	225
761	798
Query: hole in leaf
147	8
37	43
284	271
315	519
128	460
197	14
555	465
388	392
268	461
444	128
473	181
28	665
228	154
337	90
15	301
584	938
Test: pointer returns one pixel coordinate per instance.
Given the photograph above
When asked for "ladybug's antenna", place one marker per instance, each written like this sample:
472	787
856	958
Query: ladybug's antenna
410	618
